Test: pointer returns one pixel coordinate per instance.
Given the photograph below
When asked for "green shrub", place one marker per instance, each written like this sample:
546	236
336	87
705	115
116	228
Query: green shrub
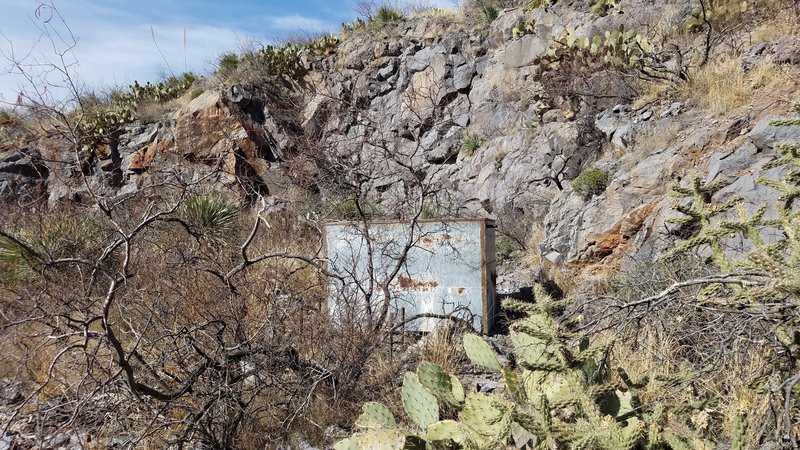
194	93
490	11
590	182
227	63
431	211
348	210
503	247
5	118
470	143
386	15
498	159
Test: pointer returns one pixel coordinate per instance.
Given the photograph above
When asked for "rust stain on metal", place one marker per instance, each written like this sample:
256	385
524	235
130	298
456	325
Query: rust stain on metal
427	241
416	285
461	290
446	237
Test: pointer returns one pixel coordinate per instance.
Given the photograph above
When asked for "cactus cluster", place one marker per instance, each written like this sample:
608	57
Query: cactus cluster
353	25
624	49
287	60
159	92
718	12
523	27
96	125
766	270
534	4
602	8
101	122
556	395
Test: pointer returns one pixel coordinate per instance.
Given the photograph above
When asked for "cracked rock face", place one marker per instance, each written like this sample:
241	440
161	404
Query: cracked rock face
419	89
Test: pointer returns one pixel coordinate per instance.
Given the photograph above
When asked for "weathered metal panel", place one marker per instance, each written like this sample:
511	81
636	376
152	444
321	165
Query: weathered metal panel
448	269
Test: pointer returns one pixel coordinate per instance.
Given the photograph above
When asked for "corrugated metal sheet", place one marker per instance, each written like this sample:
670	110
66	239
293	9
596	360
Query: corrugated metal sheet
450	269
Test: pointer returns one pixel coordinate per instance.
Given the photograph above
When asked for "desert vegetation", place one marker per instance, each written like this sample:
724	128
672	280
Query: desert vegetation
162	305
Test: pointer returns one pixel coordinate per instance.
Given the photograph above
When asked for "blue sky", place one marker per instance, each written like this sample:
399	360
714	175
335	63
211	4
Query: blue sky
115	45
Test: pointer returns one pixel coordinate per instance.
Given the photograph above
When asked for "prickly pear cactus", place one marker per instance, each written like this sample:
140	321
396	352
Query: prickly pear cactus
375	439
420	404
449	430
444	386
559	395
375	415
481	353
488	418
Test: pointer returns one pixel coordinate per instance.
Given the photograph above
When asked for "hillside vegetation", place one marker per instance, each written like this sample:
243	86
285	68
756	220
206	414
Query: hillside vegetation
163	281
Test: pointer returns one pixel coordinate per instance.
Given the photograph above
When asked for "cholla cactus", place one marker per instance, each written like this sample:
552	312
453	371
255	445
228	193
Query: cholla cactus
768	276
700	211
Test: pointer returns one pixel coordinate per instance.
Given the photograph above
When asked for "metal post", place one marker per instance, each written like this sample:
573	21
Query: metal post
403	328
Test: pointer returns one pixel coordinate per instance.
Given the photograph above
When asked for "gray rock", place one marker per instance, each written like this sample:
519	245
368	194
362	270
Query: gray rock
553	115
10	393
784	50
765	135
730	163
386	71
21	171
787	50
462	76
673	110
6	442
524	51
422	59
617	125
500	29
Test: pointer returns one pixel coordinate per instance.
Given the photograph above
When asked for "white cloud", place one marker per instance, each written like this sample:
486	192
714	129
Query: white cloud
299	23
113	47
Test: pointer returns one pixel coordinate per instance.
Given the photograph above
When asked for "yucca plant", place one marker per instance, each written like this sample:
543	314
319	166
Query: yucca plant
211	213
17	260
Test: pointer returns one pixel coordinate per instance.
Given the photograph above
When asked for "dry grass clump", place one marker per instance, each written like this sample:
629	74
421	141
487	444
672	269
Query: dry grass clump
784	21
153	111
533	254
654	138
719	87
443	347
723	85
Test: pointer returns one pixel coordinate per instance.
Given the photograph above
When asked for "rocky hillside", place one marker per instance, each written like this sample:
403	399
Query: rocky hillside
568	122
476	108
